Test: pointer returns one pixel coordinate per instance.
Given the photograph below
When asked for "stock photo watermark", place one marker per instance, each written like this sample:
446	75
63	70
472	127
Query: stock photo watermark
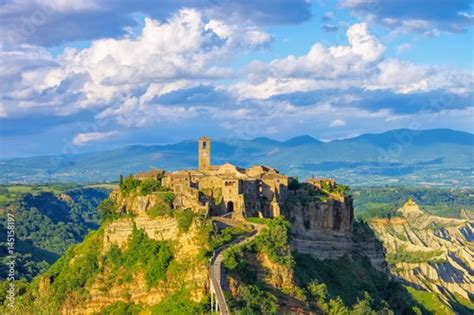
11	258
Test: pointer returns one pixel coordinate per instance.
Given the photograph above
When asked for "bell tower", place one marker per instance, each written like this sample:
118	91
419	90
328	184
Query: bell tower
204	153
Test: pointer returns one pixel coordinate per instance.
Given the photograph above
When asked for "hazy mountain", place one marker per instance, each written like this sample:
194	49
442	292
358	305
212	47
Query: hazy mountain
439	156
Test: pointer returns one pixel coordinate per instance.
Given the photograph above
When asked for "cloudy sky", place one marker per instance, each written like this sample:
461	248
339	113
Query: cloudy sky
82	75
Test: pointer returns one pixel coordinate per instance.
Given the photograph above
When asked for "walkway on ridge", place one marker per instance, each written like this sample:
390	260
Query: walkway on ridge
216	271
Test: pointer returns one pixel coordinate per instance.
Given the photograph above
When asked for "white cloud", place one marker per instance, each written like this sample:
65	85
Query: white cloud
320	68
407	77
185	50
337	123
360	64
85	138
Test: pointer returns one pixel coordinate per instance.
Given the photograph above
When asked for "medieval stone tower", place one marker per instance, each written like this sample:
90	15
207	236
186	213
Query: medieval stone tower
204	153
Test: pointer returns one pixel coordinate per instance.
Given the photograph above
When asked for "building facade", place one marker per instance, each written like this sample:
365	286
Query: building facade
219	189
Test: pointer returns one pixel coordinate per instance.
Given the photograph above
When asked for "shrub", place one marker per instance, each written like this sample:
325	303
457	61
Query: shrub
121	308
129	184
107	210
185	219
153	257
150	185
163	207
256	301
293	183
224	236
180	303
274	242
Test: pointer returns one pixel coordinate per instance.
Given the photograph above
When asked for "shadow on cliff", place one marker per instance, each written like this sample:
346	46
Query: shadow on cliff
349	277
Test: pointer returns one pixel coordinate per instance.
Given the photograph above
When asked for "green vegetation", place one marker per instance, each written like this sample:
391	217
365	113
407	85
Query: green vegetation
180	303
143	187
185	219
370	202
47	221
225	236
293	183
259	220
12	193
336	285
150	256
129	184
340	286
108	210
254	300
430	301
274	242
75	271
163	206
121	308
342	190
402	255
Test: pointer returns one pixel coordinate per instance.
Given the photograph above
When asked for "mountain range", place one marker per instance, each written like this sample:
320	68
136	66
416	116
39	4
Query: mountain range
441	157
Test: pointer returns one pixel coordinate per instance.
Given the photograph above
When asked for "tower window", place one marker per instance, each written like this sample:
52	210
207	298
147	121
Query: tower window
204	144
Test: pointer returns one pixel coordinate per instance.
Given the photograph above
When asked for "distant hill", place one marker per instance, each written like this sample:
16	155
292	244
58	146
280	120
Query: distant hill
433	157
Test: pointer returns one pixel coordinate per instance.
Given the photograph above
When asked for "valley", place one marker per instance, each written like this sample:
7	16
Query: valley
443	259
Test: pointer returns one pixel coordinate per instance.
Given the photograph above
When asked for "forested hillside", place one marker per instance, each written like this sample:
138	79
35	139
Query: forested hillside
47	220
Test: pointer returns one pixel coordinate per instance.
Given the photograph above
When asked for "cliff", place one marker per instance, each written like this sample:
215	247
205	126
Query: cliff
324	227
430	253
135	260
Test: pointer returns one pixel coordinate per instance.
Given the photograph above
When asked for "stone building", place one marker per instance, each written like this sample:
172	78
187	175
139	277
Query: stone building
260	191
255	191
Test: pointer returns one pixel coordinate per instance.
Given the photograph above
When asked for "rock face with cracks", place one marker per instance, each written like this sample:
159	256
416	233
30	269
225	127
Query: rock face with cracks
428	252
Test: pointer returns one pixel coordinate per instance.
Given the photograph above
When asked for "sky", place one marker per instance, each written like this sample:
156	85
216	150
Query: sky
79	76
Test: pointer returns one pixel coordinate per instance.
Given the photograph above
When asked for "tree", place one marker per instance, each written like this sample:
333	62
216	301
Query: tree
107	210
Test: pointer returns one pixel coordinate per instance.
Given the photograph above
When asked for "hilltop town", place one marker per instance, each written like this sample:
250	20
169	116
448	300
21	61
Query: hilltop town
258	191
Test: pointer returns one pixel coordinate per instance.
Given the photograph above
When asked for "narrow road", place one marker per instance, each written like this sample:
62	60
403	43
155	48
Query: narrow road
216	271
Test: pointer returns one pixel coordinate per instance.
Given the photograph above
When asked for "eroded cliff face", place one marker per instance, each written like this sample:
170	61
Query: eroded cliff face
190	272
325	230
187	268
428	252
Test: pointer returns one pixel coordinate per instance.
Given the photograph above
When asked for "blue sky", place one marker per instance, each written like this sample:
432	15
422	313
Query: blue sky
80	76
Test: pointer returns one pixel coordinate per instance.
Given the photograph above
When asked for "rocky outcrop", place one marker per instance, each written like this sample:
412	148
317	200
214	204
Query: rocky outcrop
135	203
193	272
429	252
160	228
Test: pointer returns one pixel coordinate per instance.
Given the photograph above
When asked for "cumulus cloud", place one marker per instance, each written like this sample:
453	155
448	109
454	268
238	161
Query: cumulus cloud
321	68
53	22
420	16
184	51
406	77
175	72
361	65
85	138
